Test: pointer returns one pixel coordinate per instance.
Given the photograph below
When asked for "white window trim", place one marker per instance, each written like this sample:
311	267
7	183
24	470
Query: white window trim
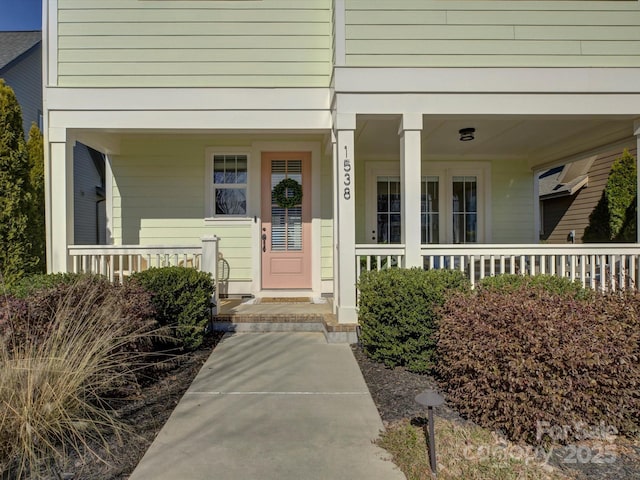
209	209
445	171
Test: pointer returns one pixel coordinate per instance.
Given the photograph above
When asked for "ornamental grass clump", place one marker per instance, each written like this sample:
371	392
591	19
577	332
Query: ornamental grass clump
54	384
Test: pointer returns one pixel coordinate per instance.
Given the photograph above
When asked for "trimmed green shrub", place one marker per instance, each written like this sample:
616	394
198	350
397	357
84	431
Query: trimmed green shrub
614	209
534	363
398	314
182	298
508	283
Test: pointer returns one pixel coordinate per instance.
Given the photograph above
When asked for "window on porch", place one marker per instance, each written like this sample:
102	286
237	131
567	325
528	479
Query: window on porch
230	185
450	206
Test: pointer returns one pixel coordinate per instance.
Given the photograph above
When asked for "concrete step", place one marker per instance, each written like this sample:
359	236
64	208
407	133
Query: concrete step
326	323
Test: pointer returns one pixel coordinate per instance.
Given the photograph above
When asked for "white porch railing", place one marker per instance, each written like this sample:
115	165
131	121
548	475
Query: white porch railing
116	262
378	257
599	266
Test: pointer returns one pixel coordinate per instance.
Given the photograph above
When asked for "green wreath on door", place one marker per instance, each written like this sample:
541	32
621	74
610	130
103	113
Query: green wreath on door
281	190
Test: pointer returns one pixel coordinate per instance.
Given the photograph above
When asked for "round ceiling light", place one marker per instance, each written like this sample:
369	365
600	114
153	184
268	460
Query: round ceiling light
467	134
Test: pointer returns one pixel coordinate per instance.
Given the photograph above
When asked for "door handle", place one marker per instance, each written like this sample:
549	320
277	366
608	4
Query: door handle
264	242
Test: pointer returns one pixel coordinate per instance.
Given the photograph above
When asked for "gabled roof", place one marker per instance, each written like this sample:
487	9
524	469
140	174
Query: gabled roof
14	44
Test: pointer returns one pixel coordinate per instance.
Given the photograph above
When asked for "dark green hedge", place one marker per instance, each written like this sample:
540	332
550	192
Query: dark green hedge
182	298
398	313
509	283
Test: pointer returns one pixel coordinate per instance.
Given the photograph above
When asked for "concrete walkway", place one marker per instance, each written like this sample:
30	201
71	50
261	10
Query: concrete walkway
272	406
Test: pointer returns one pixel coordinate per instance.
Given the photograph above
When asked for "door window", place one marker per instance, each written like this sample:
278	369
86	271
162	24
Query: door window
286	223
388	210
430	210
464	209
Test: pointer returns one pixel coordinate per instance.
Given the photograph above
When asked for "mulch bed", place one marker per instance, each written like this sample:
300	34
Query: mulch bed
394	390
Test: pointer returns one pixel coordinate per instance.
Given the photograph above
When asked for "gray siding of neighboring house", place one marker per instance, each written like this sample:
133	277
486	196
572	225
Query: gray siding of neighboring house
88	213
563	214
24	76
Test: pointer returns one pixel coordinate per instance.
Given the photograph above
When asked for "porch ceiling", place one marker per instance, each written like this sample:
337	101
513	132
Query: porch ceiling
539	140
110	140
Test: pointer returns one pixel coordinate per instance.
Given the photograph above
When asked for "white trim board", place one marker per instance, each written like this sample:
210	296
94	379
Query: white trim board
618	106
192	121
68	98
488	80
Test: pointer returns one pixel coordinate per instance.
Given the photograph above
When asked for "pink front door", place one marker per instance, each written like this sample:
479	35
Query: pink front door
286	230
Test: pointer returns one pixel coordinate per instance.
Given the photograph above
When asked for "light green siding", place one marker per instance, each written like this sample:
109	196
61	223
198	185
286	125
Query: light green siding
132	43
512	202
454	33
158	197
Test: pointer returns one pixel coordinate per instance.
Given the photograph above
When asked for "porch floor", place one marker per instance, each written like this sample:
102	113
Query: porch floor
282	315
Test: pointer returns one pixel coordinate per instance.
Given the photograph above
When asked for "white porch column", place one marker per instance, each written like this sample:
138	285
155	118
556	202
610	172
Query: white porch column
59	202
410	180
345	222
636	132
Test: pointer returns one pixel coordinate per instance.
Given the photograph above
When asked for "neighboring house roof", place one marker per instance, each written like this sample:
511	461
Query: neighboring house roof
565	180
15	44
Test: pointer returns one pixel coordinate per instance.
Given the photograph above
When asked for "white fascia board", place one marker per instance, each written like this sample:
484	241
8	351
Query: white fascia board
144	99
473	80
192	120
614	105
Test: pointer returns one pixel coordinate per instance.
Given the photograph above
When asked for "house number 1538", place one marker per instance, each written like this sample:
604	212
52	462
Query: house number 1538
347	176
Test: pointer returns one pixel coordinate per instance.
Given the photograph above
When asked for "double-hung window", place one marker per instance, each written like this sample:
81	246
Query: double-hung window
229	185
